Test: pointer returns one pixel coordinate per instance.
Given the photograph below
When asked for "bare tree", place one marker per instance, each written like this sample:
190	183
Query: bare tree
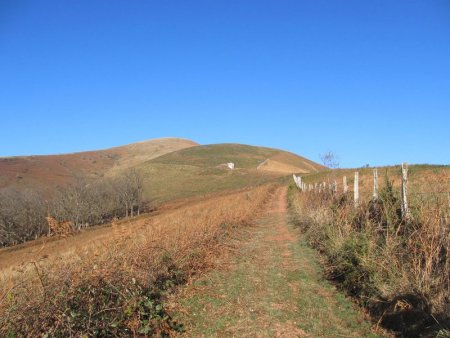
123	193
22	216
330	160
136	181
83	203
71	203
129	187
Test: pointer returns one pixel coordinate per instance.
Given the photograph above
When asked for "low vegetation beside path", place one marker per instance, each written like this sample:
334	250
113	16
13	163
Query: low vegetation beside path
118	288
399	269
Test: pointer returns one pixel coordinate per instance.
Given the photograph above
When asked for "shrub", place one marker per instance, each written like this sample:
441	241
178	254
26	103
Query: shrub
118	288
398	269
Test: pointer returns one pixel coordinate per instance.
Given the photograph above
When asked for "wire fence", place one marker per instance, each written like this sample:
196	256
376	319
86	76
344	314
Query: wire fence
437	186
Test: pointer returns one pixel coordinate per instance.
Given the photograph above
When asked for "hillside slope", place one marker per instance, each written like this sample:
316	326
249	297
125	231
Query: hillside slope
44	173
202	170
173	167
244	157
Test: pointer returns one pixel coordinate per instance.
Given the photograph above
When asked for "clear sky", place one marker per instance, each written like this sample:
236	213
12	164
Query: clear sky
368	80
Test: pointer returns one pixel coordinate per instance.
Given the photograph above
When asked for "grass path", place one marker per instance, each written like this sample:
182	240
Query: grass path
271	288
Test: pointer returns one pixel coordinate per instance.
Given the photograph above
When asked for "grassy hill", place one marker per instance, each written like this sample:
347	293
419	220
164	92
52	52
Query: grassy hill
201	169
244	157
173	168
44	173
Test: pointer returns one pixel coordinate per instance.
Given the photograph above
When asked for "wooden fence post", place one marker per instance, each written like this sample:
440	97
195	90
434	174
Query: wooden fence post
356	189
405	208
375	184
344	183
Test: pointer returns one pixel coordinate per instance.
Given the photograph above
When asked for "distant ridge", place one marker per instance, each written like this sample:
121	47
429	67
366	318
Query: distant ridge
173	167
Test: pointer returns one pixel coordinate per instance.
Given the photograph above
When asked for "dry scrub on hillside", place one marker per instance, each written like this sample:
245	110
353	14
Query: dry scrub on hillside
24	213
117	288
399	269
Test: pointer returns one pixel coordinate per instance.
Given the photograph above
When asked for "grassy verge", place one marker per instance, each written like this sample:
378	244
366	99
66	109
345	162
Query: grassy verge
397	269
119	288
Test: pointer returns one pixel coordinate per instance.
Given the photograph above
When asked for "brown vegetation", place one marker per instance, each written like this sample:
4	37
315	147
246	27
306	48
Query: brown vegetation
117	287
58	228
398	268
79	205
45	173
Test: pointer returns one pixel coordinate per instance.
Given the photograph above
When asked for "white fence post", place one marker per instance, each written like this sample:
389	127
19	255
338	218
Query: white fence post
344	183
298	181
375	184
356	189
405	208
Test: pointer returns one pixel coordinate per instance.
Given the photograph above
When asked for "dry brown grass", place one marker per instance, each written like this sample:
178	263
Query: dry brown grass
43	173
116	287
279	167
399	269
423	179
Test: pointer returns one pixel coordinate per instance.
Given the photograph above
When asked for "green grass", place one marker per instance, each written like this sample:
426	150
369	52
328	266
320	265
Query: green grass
271	288
166	182
243	156
196	171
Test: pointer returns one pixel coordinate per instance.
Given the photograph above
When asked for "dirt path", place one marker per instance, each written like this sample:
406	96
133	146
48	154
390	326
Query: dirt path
271	288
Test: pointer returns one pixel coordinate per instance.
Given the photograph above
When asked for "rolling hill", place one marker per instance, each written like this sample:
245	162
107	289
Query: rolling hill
201	169
173	167
44	173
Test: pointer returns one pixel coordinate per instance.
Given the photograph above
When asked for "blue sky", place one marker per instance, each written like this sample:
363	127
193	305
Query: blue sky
369	80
